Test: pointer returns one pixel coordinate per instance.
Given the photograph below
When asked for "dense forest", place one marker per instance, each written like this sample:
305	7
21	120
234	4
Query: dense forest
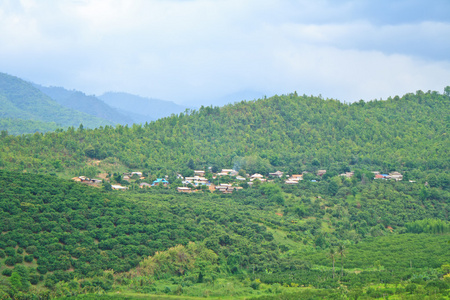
291	133
328	236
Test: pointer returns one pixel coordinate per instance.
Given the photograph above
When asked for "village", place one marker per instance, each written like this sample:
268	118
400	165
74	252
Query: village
232	180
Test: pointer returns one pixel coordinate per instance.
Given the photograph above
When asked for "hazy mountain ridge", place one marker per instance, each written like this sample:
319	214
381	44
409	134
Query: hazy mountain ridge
21	100
36	108
142	109
88	104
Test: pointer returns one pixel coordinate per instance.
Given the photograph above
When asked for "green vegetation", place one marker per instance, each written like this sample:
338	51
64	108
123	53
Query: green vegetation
291	133
327	236
21	101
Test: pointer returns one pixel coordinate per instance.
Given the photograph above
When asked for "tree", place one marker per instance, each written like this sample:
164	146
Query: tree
24	276
191	164
447	91
333	187
332	255
341	251
16	281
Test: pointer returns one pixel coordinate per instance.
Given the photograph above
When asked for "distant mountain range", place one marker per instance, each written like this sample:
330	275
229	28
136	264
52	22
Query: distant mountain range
141	109
22	104
28	107
88	104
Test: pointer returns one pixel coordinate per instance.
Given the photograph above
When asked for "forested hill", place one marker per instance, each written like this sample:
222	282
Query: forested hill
289	132
21	102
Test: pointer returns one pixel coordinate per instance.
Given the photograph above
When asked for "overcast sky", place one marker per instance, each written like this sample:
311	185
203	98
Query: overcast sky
198	51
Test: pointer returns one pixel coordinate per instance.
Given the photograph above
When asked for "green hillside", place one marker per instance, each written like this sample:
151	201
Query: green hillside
328	236
20	100
19	126
291	133
65	238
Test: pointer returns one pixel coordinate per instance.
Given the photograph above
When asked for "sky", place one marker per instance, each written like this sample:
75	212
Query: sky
208	52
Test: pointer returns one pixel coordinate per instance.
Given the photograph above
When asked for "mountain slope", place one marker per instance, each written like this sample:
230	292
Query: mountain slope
140	108
20	100
88	104
291	133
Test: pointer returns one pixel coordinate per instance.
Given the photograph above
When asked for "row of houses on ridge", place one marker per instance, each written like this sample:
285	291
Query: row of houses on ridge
199	179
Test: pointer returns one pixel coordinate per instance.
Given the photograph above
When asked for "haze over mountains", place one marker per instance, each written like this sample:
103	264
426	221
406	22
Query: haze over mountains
141	109
29	107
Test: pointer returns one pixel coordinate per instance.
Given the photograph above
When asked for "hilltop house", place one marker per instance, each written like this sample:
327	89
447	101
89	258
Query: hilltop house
199	172
294	179
278	174
347	174
396	176
118	187
321	172
144	184
159	181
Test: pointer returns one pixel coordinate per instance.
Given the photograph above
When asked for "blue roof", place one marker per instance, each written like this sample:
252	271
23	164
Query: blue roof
162	180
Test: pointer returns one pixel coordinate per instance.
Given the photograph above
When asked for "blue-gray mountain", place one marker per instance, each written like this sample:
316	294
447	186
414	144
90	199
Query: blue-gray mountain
88	104
141	109
25	109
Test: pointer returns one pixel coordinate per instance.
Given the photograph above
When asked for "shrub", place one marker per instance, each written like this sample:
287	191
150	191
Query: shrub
34	279
31	249
18	259
41	269
10	251
10	261
410	288
7	272
11	243
49	283
28	258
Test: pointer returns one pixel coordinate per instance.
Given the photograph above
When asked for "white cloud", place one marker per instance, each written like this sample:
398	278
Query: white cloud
200	50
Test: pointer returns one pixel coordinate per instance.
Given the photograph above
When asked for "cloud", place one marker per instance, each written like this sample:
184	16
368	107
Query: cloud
199	50
350	75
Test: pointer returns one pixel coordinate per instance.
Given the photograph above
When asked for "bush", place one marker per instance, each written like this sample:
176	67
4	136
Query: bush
18	259
20	250
49	283
10	251
11	243
41	269
31	249
28	258
34	279
410	288
10	261
7	272
440	285
2	254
